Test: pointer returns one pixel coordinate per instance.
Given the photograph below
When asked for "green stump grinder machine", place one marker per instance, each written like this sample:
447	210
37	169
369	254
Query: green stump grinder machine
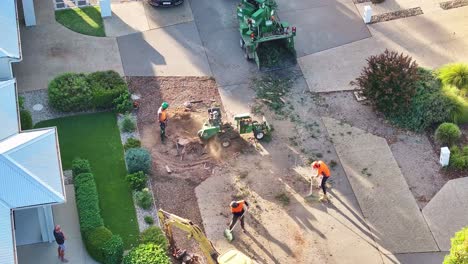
244	125
264	38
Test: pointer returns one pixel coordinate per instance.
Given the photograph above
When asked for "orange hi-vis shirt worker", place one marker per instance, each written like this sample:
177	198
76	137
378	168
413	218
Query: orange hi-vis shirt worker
325	172
321	167
238	210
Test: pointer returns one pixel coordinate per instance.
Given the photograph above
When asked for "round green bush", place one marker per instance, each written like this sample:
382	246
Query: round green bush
459	249
26	120
149	220
154	235
144	199
138	159
128	125
447	133
132	143
70	92
106	86
137	180
80	166
147	254
113	250
95	242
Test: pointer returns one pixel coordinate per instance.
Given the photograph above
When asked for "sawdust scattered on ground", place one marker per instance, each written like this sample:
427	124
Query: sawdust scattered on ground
192	161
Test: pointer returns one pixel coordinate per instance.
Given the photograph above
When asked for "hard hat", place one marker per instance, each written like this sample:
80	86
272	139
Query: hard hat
164	105
234	204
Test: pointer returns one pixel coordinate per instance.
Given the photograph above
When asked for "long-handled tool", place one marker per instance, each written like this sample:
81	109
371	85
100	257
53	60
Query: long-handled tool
228	232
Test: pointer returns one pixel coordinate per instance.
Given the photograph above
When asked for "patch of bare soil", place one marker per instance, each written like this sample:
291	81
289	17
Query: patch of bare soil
414	153
183	161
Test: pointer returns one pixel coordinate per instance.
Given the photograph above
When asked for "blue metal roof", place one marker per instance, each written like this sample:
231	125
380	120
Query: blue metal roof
9	35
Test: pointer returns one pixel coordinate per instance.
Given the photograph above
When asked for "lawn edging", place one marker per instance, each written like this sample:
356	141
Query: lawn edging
101	244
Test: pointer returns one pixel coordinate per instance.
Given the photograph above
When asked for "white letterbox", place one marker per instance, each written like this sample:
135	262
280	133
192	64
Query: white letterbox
367	16
444	156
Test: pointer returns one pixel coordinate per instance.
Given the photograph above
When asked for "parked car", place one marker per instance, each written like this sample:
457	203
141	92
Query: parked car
165	3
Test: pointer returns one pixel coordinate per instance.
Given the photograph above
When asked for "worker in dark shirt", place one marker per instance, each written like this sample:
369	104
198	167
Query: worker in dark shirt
60	239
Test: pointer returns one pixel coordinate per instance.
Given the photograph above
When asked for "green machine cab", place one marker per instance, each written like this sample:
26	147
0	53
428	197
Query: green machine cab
214	124
245	124
262	33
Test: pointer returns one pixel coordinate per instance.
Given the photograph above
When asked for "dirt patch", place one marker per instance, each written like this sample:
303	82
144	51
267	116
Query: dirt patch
189	159
396	15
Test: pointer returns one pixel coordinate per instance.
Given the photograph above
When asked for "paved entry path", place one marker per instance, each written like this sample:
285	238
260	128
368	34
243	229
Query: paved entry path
66	216
387	204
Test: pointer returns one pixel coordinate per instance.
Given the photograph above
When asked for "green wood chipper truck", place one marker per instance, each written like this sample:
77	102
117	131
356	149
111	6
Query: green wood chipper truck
264	38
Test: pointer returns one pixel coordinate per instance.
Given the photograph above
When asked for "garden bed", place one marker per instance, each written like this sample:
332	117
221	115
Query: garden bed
416	11
453	4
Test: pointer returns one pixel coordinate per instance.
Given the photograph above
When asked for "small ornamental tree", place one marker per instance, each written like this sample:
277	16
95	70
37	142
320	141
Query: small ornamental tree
389	82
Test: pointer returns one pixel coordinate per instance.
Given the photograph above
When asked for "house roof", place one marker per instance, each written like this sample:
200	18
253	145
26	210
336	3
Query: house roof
30	168
9	37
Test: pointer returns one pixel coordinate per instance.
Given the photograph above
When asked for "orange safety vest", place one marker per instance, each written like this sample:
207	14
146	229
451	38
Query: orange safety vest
322	169
163	115
239	208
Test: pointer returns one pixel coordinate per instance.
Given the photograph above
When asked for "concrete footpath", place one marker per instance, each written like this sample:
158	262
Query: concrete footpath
387	204
66	216
431	39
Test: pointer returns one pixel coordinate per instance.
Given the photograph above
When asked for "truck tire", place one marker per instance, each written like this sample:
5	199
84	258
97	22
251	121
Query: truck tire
259	135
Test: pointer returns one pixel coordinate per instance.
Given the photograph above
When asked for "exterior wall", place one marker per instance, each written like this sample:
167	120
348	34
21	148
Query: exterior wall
6	72
34	225
8	110
29	14
7	250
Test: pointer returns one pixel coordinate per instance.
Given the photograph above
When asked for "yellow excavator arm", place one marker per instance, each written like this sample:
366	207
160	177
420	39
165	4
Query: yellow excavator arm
169	220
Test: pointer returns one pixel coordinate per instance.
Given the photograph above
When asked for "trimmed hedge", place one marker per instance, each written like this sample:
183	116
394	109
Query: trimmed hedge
80	166
87	202
138	159
113	250
77	91
106	87
95	241
147	254
70	92
100	243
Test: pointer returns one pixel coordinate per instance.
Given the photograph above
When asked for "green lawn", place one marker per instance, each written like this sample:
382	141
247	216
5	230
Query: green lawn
96	137
86	20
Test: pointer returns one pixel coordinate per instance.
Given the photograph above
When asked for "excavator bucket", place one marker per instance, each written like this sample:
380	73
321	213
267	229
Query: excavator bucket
234	257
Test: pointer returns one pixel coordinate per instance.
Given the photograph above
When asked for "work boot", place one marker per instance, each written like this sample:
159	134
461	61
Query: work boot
324	198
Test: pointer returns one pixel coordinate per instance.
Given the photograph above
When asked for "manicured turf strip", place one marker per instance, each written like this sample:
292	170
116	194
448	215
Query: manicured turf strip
86	20
96	137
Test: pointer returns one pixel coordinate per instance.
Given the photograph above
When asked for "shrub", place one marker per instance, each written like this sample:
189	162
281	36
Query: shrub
95	241
447	133
113	250
137	180
106	86
80	166
459	250
458	98
455	74
127	125
70	92
147	254
389	82
132	143
458	162
144	199
149	220
87	203
123	104
138	159
155	235
429	105
21	102
26	120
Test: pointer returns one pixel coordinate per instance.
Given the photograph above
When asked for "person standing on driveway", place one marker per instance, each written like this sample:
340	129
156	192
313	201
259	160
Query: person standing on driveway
324	171
238	209
60	239
162	118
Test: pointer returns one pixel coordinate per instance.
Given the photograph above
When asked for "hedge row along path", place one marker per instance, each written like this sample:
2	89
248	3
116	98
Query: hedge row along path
96	137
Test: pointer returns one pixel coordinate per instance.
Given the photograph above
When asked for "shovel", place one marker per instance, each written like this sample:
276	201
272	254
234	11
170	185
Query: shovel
228	232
